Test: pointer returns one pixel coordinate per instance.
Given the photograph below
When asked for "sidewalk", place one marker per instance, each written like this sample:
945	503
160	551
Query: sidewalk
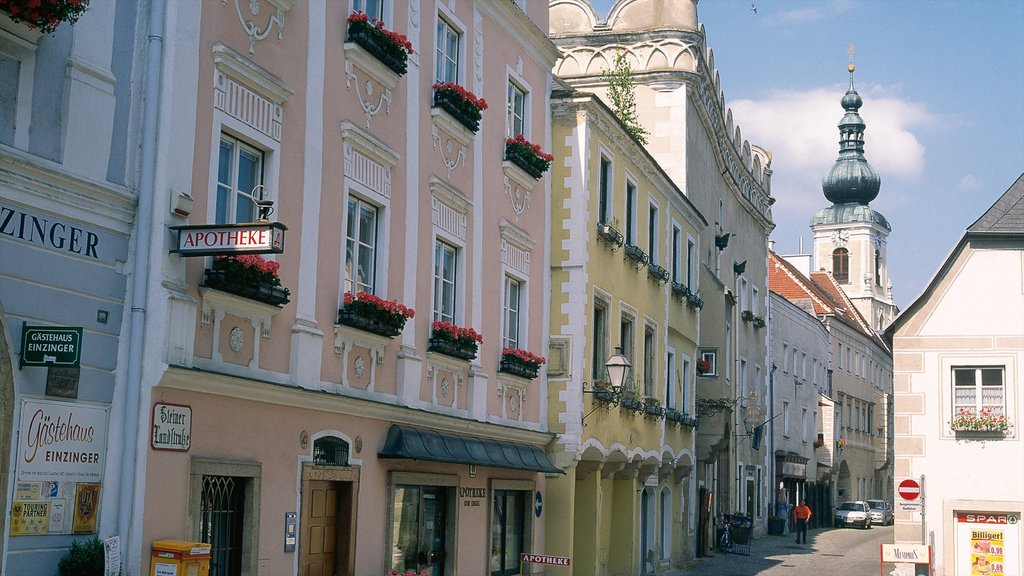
719	564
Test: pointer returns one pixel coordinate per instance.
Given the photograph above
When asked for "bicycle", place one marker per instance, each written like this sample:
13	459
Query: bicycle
725	542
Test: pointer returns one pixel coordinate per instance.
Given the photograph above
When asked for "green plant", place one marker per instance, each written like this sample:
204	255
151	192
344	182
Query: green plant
83	559
621	91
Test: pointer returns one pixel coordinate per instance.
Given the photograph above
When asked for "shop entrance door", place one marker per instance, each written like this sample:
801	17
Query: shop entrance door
419	532
431	556
326	527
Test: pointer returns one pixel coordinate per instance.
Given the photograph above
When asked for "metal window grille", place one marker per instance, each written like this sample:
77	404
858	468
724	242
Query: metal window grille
330	451
222	512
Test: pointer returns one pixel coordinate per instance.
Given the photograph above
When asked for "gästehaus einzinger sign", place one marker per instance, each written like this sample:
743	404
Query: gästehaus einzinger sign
215	239
51	346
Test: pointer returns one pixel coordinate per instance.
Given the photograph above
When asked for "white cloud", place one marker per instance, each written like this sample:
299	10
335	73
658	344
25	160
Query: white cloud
969	183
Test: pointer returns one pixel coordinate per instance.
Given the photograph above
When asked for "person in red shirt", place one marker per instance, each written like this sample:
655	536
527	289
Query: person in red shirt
802	514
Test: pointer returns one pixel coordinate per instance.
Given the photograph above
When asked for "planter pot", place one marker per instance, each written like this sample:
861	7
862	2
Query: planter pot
451	348
524	160
633	404
635	254
350	317
609	234
654	412
273	295
980	434
458	109
517	367
605	395
373	43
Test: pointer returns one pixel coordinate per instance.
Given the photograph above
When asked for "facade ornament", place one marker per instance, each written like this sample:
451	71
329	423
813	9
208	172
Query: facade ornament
449	156
518	196
253	30
369	108
236	339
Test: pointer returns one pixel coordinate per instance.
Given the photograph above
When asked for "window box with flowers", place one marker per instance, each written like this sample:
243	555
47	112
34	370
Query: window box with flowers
841	444
984	422
249	276
609	234
396	572
519	362
703	367
819	443
374	314
632	400
528	156
754	319
653	408
44	15
680	418
390	48
460	104
454	341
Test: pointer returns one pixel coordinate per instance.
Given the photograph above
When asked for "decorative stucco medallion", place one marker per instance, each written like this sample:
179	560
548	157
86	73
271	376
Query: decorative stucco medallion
360	366
236	338
444	387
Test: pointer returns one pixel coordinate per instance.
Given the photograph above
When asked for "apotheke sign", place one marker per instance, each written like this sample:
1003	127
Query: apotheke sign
214	239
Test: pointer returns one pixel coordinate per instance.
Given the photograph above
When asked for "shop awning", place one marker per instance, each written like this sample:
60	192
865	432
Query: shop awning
418	444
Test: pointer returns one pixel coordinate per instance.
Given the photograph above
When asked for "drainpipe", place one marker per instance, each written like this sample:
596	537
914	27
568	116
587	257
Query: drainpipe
771	442
140	283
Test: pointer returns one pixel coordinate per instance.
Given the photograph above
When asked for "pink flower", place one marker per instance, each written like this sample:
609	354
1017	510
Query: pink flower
524	355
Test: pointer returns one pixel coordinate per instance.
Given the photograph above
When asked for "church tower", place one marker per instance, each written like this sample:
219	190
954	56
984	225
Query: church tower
850	236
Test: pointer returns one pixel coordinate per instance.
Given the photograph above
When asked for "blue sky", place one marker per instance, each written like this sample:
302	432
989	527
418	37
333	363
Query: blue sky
943	89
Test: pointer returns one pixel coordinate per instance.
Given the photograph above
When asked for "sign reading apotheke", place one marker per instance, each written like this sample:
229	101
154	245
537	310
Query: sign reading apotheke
51	346
215	239
61	441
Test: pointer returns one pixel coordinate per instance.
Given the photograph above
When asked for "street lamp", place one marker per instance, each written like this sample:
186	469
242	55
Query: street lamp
617	368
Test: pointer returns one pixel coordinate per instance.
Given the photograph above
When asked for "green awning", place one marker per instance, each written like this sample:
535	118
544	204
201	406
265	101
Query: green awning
409	443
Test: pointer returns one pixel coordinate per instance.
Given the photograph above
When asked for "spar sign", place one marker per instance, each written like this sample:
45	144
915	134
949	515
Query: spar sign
541	559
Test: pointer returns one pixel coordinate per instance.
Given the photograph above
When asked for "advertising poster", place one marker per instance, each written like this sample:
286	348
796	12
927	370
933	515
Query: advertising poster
61	441
87	507
988	543
30	518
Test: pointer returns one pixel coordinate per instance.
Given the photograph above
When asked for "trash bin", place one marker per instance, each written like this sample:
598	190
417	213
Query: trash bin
776	525
179	558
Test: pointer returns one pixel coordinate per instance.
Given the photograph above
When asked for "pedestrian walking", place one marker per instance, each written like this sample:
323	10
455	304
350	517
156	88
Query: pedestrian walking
802	514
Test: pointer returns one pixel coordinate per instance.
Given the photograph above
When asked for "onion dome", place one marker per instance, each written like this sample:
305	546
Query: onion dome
851	180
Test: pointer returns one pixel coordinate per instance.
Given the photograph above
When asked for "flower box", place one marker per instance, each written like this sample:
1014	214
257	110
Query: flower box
608	233
680	418
680	290
460	103
657	272
635	254
249	276
653	408
528	156
519	362
694	301
604	394
453	341
46	16
374	314
703	367
632	403
391	48
969	422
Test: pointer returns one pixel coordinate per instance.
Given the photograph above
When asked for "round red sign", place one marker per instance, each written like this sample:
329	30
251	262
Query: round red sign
909	489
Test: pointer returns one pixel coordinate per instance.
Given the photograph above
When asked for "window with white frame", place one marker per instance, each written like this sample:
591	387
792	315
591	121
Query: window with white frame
785	418
755	304
803	424
360	246
670	381
626	338
711	358
445	271
691	252
449	50
516	114
600	338
685	394
677	254
630	223
239	178
604	190
649	360
652	233
372	8
512	303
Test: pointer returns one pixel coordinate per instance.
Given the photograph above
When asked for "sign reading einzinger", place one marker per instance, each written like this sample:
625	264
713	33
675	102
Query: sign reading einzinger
51	346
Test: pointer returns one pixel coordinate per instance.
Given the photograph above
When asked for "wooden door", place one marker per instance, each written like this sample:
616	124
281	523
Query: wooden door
319	529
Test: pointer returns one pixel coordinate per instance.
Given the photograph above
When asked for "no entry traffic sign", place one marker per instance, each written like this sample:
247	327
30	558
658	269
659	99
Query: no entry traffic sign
909	489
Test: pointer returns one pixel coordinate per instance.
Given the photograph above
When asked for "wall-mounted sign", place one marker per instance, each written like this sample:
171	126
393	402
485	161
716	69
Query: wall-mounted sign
172	427
988	542
61	441
50	346
216	239
471	497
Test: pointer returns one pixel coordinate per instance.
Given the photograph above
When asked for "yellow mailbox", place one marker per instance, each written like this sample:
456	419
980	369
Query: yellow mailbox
178	558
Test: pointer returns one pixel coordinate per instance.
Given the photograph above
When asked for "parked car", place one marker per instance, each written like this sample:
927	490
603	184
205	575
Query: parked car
853	513
881	512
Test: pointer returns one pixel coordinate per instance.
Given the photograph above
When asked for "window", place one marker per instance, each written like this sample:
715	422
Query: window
744	294
516	110
225	499
449	45
677	254
670	381
785	418
690	251
841	265
652	233
785	358
360	247
600	338
626	338
373	8
604	189
803	424
755	305
509	520
878	268
684	395
743	378
977	388
665	533
444	281
513	291
239	174
711	357
420	528
630	223
649	361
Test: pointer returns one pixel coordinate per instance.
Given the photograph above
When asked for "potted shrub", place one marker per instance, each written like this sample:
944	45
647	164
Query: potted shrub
520	362
45	15
453	340
390	47
703	366
528	156
83	559
249	276
374	314
462	104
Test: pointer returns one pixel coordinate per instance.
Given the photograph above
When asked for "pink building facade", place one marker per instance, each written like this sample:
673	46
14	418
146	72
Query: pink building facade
302	434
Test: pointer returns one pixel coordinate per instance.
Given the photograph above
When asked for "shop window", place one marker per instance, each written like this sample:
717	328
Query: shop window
510	519
421	528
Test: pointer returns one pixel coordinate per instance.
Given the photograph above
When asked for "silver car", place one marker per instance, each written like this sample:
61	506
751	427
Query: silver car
853	513
881	512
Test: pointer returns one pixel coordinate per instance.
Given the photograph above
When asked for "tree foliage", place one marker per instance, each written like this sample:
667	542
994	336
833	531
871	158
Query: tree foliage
621	91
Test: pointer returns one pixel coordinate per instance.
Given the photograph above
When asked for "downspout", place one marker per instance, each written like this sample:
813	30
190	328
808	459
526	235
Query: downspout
771	441
140	283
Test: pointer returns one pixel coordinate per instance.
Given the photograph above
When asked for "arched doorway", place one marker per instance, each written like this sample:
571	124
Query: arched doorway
6	419
843	488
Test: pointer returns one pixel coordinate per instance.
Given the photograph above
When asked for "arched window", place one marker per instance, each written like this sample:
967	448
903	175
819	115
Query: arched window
878	268
841	265
330	451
